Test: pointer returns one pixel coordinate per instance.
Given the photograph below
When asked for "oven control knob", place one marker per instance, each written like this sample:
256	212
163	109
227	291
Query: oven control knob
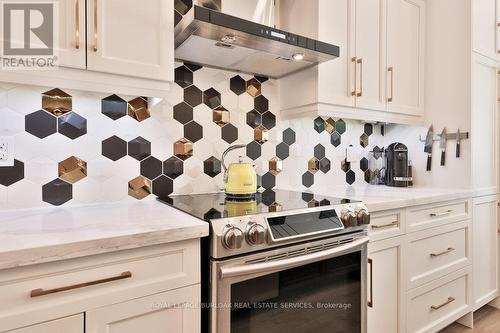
362	216
256	233
232	237
349	218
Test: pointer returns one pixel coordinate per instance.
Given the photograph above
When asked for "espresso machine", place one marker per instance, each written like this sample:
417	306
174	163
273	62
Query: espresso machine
398	172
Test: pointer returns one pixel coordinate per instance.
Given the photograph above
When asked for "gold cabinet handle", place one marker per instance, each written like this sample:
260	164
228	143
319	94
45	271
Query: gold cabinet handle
370	302
391	73
353	60
360	62
437	307
448	250
449	211
95	26
374	226
77	24
42	292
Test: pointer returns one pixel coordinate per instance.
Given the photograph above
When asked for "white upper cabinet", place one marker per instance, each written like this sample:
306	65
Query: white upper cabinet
405	56
485	27
71	46
129	37
258	11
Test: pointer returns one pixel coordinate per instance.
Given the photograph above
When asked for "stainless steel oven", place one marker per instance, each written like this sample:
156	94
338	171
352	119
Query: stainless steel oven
313	287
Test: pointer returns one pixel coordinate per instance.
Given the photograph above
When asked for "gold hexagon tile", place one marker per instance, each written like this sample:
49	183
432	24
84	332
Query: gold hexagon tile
138	109
253	87
313	203
275	165
220	116
313	165
57	102
72	169
261	134
363	140
275	207
139	187
183	149
330	125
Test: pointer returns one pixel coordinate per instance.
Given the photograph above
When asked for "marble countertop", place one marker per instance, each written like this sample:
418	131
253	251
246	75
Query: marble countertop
49	234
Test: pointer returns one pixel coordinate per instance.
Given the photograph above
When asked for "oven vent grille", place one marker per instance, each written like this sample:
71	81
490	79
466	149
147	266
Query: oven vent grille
302	251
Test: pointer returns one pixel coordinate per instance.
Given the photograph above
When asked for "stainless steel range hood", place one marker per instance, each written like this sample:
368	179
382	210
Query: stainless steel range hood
209	37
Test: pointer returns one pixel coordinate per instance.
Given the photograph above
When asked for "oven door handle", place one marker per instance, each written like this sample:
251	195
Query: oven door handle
292	262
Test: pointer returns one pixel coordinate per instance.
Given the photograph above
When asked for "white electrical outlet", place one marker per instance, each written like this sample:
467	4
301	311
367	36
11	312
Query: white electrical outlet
6	151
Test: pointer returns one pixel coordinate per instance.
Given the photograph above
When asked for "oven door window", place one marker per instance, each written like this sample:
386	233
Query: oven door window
319	297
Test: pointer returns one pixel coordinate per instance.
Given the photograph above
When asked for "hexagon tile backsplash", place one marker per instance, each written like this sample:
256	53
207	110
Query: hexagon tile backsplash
75	147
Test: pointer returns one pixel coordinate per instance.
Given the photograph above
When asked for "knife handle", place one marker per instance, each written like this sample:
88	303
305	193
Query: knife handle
458	149
429	162
443	157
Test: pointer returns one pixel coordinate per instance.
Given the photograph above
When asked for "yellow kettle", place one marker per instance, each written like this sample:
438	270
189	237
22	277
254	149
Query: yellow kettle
240	179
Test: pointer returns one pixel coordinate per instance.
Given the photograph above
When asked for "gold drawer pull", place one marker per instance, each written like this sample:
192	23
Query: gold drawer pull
95	27
370	302
354	61
42	292
449	211
77	24
391	73
448	250
374	226
360	62
437	307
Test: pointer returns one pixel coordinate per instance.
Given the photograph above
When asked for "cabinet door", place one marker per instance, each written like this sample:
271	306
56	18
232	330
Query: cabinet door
370	54
485	250
259	11
484	120
73	324
175	311
405	56
71	46
385	286
129	37
485	27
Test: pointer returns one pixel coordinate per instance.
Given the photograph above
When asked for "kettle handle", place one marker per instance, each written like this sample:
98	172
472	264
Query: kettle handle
224	156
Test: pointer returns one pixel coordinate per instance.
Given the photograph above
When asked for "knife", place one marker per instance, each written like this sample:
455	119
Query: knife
428	147
442	145
458	143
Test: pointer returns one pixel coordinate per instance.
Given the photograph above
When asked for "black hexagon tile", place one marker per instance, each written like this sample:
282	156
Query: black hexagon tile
363	164
211	98
192	67
268	197
237	85
177	17
340	126
183	113
324	165
212	166
268	180
41	124
212	213
261	104
193	96
268	120
261	79
378	152
254	119
114	107
114	148
183	6
350	177
282	150
254	150
193	131
72	125
344	165
229	133
138	109
173	167
289	136
368	129
151	167
183	76
139	148
324	202
319	124
57	192
307	179
163	186
363	140
57	102
319	151
183	149
12	174
253	87
306	196
335	139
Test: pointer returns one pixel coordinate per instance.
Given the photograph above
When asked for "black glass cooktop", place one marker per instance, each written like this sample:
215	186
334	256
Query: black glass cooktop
217	205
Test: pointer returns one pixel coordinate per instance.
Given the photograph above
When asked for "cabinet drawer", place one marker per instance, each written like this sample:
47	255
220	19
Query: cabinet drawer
386	224
61	288
72	324
438	304
435	252
428	216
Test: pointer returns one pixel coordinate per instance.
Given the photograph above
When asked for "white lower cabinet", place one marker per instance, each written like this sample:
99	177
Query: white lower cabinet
72	324
485	250
175	311
385	304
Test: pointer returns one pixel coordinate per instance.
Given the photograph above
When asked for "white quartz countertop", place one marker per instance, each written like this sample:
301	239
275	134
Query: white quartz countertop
49	234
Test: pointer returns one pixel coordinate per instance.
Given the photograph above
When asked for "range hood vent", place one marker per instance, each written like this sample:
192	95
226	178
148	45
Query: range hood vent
209	37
